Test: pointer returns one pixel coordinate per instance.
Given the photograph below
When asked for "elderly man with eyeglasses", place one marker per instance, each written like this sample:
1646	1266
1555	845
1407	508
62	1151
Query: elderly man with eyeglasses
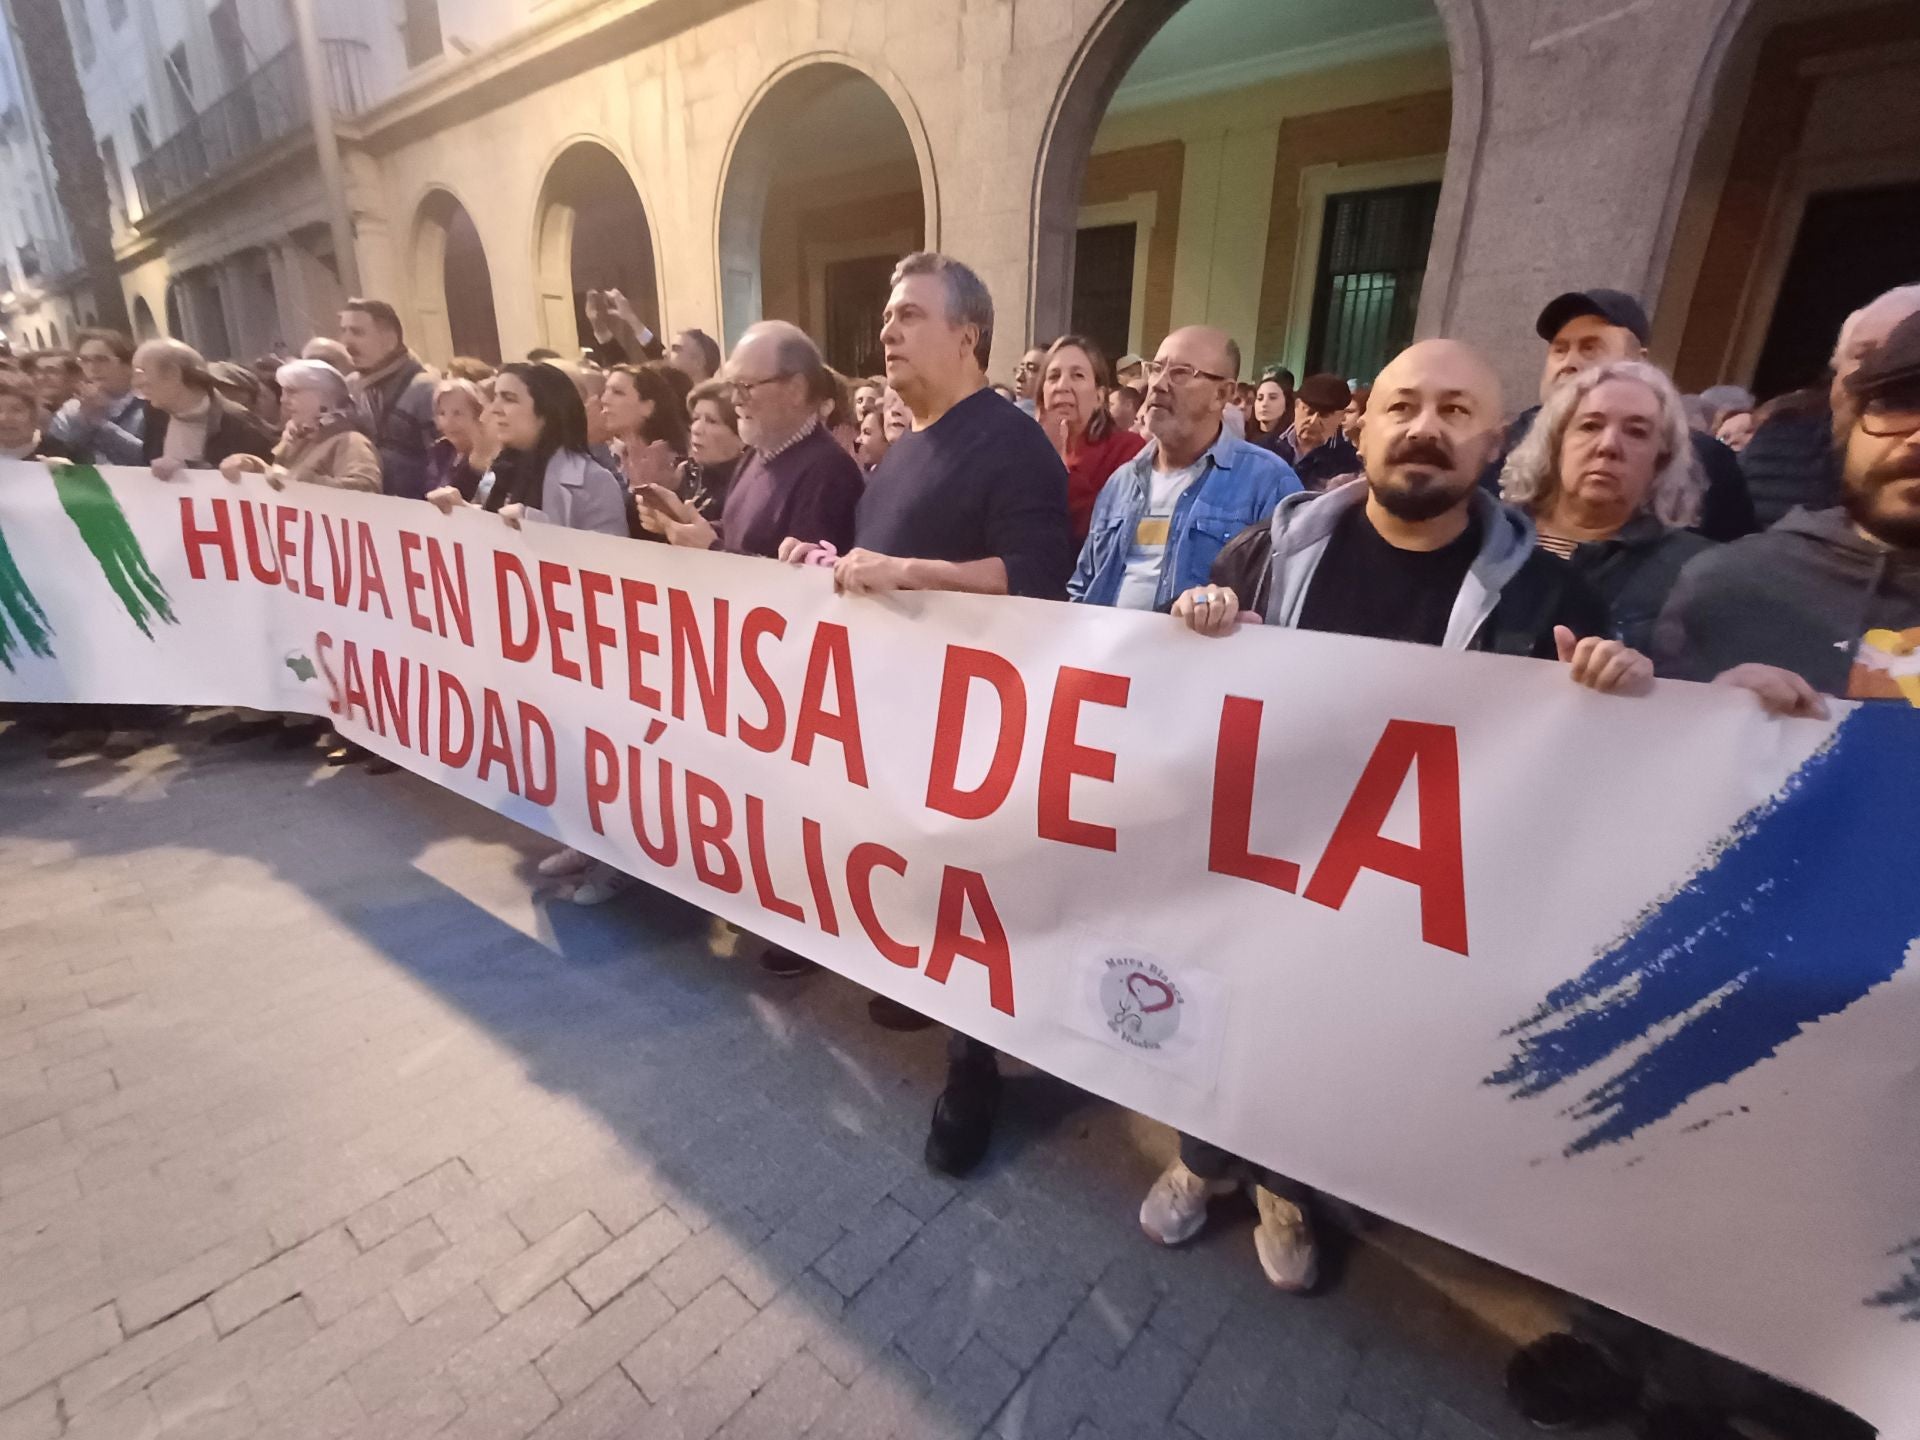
1164	515
795	479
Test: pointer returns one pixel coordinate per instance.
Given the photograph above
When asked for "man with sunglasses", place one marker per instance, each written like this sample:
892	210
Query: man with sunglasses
1827	602
1165	514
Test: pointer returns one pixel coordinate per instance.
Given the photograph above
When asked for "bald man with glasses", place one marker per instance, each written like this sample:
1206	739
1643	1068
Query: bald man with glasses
1166	514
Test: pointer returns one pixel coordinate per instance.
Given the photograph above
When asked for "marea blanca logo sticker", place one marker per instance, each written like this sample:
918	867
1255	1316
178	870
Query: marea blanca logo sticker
1141	1002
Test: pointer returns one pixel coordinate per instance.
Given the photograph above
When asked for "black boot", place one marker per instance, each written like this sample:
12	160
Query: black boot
963	1118
1563	1383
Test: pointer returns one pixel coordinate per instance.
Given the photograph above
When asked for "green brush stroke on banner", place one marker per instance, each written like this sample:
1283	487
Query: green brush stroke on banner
22	621
91	505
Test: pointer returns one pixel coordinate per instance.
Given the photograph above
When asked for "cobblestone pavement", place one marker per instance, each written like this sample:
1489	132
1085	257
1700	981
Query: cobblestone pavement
314	1123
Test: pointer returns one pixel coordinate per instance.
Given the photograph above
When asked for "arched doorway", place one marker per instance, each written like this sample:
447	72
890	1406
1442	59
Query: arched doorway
1289	197
452	287
593	235
1804	197
824	193
143	326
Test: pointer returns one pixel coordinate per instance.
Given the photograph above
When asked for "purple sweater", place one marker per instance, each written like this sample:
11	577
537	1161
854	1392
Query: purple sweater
809	491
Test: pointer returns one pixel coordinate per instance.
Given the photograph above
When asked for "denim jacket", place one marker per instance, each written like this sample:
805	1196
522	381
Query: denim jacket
1239	486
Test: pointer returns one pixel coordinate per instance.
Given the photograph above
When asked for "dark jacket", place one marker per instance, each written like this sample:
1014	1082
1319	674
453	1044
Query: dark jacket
1330	460
1790	463
617	349
230	431
1635	571
399	401
1800	596
1509	603
1726	510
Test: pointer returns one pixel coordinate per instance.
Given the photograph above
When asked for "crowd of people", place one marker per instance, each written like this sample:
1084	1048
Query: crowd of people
1616	528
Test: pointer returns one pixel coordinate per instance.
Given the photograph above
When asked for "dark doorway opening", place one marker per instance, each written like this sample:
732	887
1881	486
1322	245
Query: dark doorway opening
1103	286
1366	293
856	294
469	290
1853	244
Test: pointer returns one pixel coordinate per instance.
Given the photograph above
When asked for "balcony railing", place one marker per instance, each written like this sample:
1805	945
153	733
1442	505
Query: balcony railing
268	105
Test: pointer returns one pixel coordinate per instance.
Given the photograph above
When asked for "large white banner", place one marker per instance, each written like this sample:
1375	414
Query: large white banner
1609	990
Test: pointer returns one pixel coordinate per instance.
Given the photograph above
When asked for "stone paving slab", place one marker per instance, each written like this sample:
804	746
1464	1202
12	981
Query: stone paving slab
316	1121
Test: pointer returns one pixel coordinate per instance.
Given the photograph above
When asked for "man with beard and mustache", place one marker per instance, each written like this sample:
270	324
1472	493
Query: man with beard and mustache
1413	550
1827	602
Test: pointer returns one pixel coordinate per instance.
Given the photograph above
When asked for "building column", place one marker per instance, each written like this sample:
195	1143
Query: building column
1575	127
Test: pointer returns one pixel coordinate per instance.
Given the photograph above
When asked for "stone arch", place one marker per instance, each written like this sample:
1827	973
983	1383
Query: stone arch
790	103
1107	50
1804	131
143	324
452	285
591	231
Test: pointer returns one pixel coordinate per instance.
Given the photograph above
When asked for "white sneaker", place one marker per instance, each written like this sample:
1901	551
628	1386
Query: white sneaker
1175	1209
563	862
601	884
1284	1241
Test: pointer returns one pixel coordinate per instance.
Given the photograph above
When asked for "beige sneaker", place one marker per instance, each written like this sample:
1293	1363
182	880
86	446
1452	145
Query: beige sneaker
1175	1209
601	884
563	862
1284	1241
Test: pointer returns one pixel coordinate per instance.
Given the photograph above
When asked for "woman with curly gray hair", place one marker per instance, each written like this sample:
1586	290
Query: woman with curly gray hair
1608	474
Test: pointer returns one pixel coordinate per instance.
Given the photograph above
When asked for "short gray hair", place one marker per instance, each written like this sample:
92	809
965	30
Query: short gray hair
454	385
323	347
1532	475
794	353
178	356
320	378
1895	304
968	302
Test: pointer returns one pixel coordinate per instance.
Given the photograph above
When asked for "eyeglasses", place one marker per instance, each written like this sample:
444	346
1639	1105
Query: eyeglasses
743	389
1890	421
1177	373
1026	367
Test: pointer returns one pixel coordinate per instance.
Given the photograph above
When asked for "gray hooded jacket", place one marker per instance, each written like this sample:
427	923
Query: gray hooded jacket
1800	596
1513	596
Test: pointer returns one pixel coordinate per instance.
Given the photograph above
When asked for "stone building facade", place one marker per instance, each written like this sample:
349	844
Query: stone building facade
724	159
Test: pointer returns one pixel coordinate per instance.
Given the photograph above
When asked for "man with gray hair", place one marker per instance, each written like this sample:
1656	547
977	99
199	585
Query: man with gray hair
190	425
795	481
972	498
1790	461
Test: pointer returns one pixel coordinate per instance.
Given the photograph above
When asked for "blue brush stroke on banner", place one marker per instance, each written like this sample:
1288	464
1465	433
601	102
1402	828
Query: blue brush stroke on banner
1809	904
1904	1294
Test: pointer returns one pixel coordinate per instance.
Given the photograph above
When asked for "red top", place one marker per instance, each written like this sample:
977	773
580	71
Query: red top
1089	471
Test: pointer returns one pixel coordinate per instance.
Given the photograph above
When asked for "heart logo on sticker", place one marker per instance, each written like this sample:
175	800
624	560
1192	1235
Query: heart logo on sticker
1152	995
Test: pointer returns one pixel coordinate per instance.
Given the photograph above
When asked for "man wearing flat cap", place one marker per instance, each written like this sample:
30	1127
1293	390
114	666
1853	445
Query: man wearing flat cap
1315	447
1585	328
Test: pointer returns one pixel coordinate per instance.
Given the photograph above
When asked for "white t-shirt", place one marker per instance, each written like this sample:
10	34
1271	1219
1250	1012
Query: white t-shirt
1141	582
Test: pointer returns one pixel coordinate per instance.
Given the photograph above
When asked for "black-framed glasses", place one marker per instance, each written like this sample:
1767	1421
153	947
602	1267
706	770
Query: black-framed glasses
743	389
1891	421
1177	372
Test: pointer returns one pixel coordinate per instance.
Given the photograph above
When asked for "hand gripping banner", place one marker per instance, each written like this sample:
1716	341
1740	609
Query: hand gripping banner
1615	991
